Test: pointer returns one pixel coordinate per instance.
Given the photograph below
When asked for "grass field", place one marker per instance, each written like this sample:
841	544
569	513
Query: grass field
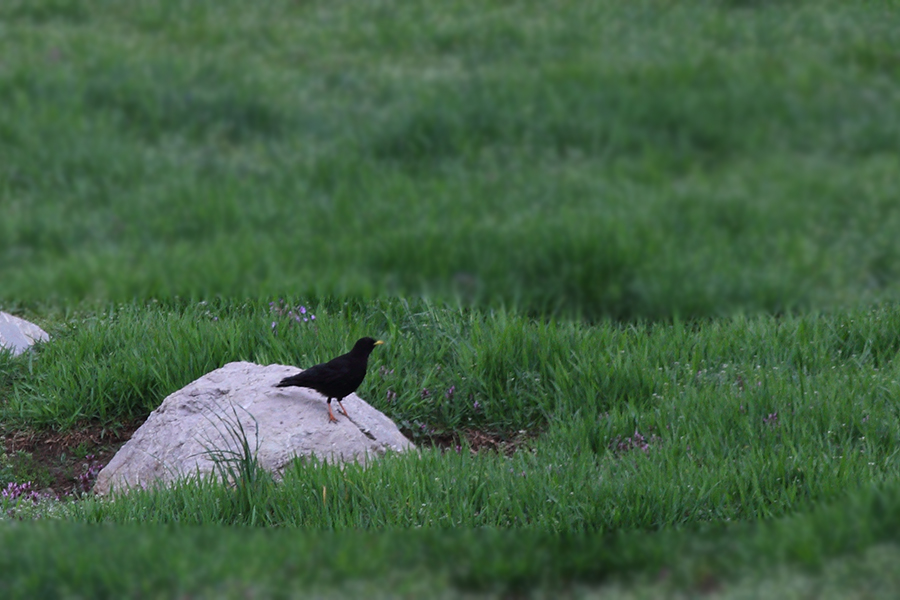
648	247
597	159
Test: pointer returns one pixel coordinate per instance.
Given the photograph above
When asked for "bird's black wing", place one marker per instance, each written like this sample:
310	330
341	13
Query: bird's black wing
326	376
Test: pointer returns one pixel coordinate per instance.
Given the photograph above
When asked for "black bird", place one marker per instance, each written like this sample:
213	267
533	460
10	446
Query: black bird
339	377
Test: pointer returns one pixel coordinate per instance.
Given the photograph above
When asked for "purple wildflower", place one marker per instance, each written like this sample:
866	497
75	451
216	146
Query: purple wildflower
92	468
425	393
450	392
772	419
637	441
391	395
298	314
16	491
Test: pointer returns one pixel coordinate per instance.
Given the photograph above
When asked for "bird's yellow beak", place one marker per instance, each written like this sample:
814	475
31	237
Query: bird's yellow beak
378	343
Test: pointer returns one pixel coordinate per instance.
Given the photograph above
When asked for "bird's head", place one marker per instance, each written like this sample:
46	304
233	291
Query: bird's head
365	346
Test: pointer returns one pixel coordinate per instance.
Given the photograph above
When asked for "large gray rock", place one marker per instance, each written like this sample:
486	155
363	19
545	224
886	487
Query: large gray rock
18	334
177	437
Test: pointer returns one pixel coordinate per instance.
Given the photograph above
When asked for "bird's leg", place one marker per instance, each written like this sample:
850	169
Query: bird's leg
330	414
343	410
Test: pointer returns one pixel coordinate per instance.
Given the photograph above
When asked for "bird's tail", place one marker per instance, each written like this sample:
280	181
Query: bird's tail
287	382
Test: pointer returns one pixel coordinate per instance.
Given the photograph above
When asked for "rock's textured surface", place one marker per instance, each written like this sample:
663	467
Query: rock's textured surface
18	334
176	439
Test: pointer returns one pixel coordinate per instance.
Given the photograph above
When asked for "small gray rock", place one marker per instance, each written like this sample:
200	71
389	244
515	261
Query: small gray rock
287	423
18	334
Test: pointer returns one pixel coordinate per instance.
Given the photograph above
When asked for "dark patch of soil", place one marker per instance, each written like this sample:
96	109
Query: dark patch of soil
476	441
64	462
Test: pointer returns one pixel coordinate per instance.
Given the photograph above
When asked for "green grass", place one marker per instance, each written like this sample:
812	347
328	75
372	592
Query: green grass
845	547
748	419
604	224
598	159
745	418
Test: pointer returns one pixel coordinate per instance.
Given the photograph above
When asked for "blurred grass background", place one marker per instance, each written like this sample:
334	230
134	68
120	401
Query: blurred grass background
657	238
591	158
